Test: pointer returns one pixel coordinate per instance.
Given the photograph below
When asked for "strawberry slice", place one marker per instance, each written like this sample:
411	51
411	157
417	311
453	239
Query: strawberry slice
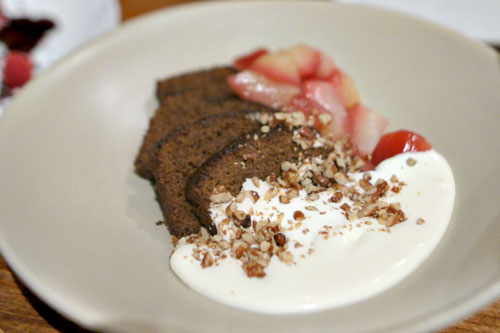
323	94
257	88
365	127
246	61
345	89
350	93
326	68
18	69
279	67
401	141
336	82
306	58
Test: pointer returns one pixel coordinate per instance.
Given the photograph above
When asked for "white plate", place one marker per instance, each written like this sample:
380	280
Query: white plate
479	19
78	226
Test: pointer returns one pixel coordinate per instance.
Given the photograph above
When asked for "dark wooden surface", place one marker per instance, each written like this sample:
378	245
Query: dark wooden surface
21	311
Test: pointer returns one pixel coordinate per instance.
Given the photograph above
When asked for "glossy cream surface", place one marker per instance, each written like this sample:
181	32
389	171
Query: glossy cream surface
358	260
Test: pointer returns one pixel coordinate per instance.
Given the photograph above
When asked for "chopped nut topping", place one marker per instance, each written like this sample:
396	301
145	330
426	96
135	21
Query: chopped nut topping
345	207
324	118
295	119
240	197
286	166
396	189
336	197
246	222
293	193
207	260
306	133
286	257
253	238
411	161
280	239
264	117
312	197
254	269
298	215
256	181
220	195
255	196
284	199
271	194
280	217
264	246
340	178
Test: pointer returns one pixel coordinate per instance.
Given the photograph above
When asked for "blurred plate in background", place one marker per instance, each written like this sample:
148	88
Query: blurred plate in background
76	22
478	19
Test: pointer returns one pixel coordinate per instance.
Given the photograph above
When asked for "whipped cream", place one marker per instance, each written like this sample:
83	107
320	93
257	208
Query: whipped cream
332	259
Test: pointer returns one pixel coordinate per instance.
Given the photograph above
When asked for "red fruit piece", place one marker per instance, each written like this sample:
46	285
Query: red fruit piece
345	88
257	88
246	61
323	94
279	67
326	68
398	142
306	58
365	127
17	70
336	82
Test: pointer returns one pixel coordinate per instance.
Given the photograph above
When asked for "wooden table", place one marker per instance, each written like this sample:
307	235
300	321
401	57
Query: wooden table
21	311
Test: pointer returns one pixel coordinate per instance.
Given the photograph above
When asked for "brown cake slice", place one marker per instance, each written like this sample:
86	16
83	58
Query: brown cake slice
257	154
182	109
212	82
181	152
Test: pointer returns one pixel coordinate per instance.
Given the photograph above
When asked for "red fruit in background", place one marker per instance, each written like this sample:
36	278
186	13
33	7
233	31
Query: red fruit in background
398	142
17	70
3	19
246	61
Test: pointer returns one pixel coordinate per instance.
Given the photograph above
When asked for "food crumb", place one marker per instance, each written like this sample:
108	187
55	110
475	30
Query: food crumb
420	221
411	161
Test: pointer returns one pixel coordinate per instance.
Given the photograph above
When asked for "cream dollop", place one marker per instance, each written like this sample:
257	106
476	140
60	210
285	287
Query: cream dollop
338	261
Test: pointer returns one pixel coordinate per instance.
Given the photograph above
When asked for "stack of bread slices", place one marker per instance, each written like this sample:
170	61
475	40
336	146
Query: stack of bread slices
203	136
